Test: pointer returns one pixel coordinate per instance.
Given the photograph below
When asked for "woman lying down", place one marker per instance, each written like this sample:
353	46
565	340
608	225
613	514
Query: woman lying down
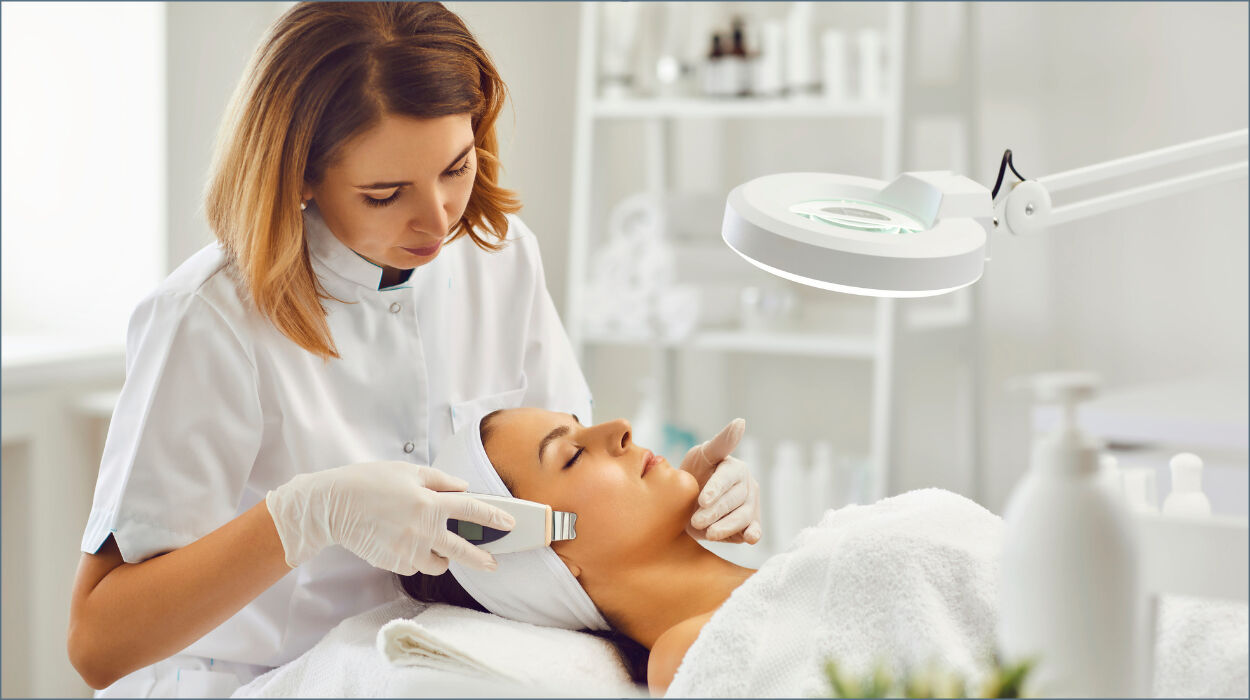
908	581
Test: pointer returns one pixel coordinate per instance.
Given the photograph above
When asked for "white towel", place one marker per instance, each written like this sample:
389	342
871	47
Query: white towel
450	638
1202	649
346	663
907	581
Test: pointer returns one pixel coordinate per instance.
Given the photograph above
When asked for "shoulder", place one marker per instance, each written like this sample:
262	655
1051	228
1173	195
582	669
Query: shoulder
517	259
669	650
203	294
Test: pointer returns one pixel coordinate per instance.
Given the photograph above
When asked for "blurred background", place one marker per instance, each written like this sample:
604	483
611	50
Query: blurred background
628	125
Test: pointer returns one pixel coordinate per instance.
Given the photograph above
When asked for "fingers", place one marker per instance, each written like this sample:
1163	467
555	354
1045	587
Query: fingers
751	535
719	447
465	507
438	480
731	501
456	548
730	471
736	523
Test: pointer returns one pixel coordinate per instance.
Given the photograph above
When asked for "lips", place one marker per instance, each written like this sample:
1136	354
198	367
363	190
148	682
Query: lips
428	250
649	461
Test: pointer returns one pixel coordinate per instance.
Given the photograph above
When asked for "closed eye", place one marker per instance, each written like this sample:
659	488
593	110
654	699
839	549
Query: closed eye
576	456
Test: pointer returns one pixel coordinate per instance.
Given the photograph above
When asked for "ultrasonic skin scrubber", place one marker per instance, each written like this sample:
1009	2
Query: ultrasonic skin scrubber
537	526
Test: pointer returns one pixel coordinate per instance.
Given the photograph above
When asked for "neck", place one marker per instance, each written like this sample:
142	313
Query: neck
674	583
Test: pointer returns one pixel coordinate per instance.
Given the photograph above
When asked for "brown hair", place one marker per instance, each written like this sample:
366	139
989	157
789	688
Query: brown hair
325	73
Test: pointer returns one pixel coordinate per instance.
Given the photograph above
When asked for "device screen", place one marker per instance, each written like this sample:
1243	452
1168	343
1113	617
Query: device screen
474	533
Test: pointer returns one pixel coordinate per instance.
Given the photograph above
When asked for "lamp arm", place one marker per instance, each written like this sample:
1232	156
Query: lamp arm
1027	208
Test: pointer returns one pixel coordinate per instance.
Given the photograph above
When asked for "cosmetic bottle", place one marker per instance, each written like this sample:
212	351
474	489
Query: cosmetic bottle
738	62
714	69
871	68
787	494
834	65
1186	497
820	480
1069	596
619	30
800	78
647	425
768	76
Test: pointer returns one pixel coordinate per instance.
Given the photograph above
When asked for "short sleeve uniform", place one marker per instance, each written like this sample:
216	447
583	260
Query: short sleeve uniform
219	407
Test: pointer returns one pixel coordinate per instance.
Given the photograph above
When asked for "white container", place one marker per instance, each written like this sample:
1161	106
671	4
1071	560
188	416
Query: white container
871	64
1140	490
1186	497
787	504
619	33
1069	588
821	491
833	65
770	74
800	69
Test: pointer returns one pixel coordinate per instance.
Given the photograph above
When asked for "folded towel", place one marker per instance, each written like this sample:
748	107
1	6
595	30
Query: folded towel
1201	648
450	638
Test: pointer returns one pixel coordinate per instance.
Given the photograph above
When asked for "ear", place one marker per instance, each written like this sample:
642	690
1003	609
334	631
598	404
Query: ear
573	567
307	193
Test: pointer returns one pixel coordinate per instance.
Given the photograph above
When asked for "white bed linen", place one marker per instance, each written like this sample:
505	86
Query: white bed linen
347	662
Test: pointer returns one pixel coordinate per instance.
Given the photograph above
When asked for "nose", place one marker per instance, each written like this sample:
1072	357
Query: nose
431	214
618	433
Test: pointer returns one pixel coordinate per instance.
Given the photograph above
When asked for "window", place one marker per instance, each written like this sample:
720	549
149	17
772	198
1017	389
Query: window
83	179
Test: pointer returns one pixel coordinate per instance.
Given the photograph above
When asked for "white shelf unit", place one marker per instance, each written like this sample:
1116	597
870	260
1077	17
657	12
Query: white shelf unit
873	341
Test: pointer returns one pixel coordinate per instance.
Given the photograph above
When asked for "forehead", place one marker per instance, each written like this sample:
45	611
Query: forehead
400	139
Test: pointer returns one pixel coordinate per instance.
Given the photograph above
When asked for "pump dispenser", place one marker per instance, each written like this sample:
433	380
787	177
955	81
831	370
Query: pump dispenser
1186	497
1069	596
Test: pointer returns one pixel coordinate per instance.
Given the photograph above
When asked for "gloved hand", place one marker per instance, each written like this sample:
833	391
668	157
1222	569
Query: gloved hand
391	514
729	497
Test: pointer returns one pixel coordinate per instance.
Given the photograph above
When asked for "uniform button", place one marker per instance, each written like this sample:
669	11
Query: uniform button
395	307
409	447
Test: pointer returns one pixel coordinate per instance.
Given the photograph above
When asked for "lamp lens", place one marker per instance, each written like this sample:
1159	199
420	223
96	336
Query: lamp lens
857	215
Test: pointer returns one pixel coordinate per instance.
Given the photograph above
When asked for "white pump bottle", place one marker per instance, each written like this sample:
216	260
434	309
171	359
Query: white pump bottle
1069	594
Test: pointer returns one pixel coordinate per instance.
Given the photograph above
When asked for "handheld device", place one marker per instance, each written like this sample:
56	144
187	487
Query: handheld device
537	525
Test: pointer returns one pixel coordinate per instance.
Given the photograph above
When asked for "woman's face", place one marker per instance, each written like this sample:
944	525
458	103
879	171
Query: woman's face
399	188
624	496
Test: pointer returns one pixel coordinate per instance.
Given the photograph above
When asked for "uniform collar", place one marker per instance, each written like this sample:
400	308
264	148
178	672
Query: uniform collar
330	251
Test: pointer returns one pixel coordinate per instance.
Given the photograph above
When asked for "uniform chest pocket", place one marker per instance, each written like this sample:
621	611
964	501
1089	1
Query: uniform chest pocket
465	412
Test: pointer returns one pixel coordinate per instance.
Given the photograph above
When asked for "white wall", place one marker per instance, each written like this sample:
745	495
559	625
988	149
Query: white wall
1158	292
209	45
1063	85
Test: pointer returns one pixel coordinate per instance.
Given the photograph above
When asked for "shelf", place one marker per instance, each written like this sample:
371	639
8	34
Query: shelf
742	107
846	345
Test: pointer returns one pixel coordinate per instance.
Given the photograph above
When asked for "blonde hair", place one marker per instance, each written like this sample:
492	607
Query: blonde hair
324	73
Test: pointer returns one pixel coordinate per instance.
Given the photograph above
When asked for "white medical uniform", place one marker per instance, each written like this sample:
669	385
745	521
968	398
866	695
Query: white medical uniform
219	407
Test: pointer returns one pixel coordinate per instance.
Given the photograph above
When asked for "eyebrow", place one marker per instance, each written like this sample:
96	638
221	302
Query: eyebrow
389	185
555	434
550	438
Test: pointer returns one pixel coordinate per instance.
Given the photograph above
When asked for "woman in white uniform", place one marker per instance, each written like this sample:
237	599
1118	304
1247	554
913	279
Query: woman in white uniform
371	290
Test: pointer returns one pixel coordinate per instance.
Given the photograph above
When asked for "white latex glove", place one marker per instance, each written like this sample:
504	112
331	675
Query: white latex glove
391	514
729	497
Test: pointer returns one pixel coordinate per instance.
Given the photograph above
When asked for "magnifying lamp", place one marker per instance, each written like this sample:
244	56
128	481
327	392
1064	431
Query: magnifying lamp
924	233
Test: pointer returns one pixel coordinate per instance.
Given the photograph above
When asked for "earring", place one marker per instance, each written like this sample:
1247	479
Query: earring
303	205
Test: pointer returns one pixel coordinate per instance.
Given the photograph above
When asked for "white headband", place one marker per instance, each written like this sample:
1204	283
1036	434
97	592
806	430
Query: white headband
534	586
